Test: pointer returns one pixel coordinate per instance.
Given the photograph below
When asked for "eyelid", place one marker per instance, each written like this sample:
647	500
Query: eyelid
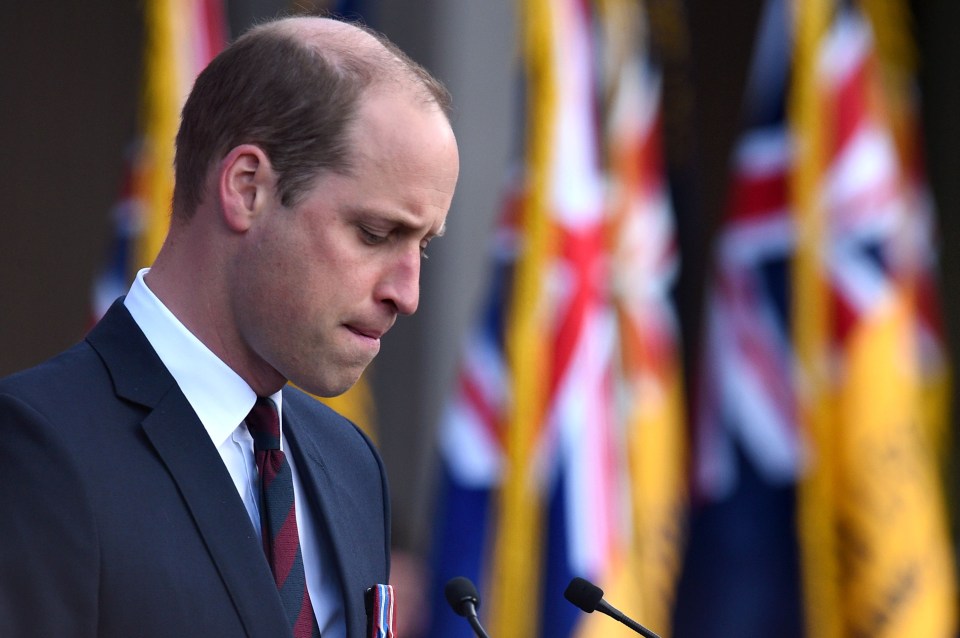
370	236
373	237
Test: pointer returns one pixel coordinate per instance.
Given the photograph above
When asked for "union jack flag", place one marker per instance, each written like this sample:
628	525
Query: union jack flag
563	449
823	353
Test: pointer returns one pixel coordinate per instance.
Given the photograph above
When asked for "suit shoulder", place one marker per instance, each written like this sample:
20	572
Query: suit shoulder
72	371
70	396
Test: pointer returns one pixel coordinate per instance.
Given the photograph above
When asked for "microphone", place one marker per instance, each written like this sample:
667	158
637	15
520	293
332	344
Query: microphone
464	599
589	597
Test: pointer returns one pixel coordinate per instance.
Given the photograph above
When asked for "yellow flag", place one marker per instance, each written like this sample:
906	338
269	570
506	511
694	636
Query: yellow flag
182	36
898	565
877	559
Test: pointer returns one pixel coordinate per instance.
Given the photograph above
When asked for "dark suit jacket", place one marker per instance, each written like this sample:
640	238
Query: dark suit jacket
118	517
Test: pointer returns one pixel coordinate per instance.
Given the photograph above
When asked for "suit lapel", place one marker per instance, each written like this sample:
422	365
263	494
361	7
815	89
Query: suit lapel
180	440
340	512
178	436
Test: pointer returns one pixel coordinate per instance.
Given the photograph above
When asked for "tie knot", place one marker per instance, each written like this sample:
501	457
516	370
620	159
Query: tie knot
264	425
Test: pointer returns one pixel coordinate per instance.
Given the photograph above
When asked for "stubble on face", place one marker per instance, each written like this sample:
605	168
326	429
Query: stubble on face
315	293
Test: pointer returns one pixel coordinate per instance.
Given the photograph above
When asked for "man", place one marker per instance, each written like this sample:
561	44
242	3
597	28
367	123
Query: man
314	164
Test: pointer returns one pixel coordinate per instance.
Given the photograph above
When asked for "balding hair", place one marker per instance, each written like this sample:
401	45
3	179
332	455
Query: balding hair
292	87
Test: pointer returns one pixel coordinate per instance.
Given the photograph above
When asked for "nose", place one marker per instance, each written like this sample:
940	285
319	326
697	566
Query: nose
400	284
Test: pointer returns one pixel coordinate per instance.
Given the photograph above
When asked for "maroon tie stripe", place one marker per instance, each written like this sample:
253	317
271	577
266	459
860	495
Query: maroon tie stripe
278	519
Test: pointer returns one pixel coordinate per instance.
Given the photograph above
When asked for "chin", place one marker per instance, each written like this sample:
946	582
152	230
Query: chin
328	388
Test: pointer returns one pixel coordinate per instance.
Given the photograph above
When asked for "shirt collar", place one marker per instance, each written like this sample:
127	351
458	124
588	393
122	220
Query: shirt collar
219	396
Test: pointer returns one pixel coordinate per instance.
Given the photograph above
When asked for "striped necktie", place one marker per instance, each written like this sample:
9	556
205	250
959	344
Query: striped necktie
278	519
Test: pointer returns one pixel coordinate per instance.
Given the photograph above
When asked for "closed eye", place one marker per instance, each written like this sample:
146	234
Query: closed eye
371	238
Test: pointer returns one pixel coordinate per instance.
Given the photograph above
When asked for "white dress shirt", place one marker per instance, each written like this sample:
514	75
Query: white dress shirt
222	401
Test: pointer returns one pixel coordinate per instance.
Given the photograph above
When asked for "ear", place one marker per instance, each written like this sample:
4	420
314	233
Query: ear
246	186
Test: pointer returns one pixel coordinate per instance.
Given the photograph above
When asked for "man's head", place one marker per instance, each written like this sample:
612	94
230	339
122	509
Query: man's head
314	164
291	87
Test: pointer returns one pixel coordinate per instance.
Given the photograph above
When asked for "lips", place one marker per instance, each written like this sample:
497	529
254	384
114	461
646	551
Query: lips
366	331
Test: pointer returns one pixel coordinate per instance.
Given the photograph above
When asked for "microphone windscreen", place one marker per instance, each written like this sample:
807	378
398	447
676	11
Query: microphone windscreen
583	594
459	590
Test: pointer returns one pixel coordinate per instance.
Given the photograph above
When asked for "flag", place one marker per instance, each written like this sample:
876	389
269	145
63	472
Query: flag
822	420
648	403
741	569
876	554
181	37
563	447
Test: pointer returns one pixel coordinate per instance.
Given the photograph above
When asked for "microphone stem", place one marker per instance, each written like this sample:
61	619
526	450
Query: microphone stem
477	627
616	614
643	631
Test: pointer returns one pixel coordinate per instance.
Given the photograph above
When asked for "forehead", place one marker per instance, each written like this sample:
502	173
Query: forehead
404	166
397	125
400	149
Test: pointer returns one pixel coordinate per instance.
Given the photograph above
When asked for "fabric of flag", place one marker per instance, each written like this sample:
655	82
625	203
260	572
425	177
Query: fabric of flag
876	554
181	37
823	402
563	448
640	567
741	570
747	398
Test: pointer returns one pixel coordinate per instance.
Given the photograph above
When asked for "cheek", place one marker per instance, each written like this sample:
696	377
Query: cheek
270	282
339	270
317	270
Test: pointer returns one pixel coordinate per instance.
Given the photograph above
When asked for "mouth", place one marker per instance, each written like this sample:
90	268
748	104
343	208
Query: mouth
372	334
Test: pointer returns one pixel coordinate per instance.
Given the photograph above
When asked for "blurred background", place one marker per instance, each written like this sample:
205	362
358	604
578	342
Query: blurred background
690	332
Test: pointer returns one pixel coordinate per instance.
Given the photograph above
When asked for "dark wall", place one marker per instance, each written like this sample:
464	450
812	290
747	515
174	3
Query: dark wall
69	75
936	24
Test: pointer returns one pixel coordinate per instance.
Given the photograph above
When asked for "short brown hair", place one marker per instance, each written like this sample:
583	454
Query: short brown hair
292	97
